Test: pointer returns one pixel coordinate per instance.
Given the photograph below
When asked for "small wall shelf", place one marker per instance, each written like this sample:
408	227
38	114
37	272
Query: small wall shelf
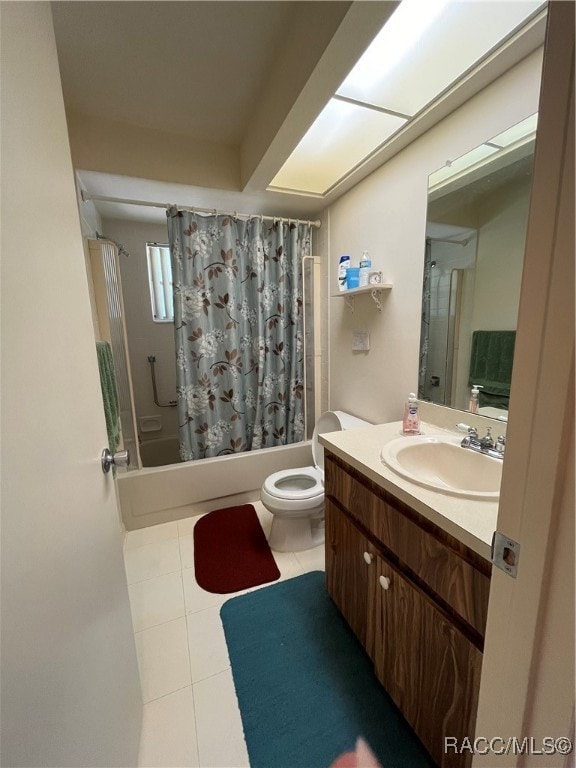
373	290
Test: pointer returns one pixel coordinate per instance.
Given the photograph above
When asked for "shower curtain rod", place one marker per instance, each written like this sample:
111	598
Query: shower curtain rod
104	199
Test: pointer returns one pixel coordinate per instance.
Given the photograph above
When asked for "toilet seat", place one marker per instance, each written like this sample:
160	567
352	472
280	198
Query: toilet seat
295	497
298	484
303	487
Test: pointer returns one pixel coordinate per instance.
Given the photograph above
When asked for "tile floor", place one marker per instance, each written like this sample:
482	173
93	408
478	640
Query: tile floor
191	715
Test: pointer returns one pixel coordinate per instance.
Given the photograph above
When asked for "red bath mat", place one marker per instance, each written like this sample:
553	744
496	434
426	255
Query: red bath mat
231	552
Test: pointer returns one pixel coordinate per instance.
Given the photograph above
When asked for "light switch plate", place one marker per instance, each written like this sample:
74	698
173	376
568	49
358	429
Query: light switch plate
360	341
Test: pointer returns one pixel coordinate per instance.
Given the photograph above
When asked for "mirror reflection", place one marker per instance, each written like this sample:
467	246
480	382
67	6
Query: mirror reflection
474	253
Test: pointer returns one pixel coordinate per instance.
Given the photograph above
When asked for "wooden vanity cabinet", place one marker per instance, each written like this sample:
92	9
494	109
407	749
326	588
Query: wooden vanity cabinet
347	583
425	638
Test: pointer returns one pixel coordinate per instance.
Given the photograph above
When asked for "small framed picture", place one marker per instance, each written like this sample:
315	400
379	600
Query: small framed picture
375	278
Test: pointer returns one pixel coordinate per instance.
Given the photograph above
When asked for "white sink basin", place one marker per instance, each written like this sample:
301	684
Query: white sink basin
440	463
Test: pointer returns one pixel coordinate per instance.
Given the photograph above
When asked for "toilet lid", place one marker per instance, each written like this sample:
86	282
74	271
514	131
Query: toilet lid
299	483
328	422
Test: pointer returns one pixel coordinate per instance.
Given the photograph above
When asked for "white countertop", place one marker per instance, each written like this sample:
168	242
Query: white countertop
471	521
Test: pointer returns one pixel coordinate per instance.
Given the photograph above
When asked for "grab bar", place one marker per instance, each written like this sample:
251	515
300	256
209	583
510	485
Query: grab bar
171	403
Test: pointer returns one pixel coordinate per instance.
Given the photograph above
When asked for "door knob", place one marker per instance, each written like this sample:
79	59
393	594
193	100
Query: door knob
368	557
119	459
384	582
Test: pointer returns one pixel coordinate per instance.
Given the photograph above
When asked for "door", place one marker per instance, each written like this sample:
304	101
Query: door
70	688
527	686
349	558
430	670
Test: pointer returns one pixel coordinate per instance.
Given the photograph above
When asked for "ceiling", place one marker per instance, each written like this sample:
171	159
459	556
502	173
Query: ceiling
250	77
207	71
193	68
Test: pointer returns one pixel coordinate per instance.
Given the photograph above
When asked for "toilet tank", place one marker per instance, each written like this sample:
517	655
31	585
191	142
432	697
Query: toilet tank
332	421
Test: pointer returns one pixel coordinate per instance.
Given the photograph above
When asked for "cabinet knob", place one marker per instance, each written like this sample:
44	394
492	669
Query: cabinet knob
368	557
384	582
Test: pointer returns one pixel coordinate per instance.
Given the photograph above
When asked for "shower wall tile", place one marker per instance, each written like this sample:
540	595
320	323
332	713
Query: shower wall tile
145	337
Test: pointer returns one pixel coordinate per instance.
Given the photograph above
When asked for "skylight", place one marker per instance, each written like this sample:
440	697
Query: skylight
424	49
342	135
506	143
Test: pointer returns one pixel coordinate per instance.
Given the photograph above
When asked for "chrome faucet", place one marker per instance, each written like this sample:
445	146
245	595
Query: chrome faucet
484	444
487	442
471	438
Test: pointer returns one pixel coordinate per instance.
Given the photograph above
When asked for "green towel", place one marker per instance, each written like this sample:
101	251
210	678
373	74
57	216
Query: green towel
109	394
491	361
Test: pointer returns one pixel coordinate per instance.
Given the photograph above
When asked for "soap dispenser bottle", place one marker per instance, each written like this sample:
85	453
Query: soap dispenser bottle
411	421
473	404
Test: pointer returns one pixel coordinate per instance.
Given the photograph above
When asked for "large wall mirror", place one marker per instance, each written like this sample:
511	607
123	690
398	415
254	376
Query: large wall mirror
474	254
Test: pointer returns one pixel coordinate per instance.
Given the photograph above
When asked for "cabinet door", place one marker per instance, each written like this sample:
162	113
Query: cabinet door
431	671
350	572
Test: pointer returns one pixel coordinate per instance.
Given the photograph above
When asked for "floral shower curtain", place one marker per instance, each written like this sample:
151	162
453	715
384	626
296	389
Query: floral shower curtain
238	318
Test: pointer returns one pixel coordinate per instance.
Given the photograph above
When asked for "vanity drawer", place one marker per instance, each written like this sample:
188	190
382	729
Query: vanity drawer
356	498
434	560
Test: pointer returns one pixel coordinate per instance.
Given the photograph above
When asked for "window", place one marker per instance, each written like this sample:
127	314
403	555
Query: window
160	278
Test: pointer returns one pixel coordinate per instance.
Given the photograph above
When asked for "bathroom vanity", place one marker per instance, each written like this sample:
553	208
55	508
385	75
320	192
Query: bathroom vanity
412	583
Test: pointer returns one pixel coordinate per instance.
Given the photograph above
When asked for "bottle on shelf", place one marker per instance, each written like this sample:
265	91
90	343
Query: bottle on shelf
342	269
365	267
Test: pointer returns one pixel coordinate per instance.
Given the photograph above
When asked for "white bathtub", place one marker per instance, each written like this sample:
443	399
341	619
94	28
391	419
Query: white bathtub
157	453
164	493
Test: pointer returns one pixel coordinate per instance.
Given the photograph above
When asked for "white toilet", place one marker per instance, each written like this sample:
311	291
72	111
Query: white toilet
295	497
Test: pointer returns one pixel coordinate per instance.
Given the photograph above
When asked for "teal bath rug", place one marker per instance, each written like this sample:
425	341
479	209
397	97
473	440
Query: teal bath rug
305	686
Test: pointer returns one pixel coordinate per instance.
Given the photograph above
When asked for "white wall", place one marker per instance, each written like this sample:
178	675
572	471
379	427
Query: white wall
500	258
386	214
145	337
106	145
90	220
70	686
